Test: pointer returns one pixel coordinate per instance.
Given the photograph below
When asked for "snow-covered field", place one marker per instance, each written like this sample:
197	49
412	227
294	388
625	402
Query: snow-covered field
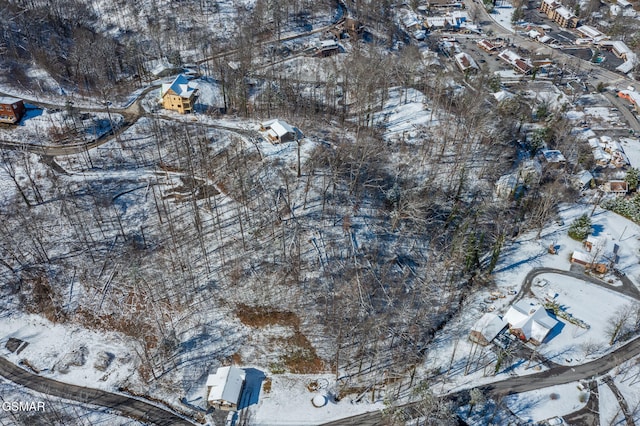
542	404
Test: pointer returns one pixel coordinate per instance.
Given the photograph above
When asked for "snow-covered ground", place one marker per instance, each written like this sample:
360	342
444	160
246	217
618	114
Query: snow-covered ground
610	412
405	114
62	410
456	363
570	344
626	378
542	404
290	402
70	353
46	127
502	14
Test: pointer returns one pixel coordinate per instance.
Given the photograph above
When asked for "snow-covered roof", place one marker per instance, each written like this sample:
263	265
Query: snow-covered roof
489	326
553	156
328	44
502	95
589	31
593	240
534	321
180	85
625	67
515	60
565	13
581	257
584	177
278	127
7	100
436	21
506	184
486	44
465	61
409	19
226	384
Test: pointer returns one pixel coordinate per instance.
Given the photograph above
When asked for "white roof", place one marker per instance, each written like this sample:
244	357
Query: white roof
509	55
278	127
502	95
180	85
565	13
226	384
534	321
7	100
553	156
436	21
589	31
581	256
326	44
584	177
489	326
617	45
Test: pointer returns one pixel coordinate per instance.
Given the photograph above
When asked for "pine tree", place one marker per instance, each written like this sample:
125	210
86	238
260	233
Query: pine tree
580	228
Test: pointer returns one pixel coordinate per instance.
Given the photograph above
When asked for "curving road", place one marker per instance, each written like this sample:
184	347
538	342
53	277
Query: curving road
556	376
126	405
627	288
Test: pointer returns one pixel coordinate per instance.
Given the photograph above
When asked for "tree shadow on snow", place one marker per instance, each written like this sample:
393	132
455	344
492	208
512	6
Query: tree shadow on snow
596	229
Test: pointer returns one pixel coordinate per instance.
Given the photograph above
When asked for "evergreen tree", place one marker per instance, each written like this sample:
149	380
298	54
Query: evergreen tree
580	228
632	177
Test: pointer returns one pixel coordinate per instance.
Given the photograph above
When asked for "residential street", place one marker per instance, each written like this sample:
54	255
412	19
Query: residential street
627	288
556	376
128	406
622	106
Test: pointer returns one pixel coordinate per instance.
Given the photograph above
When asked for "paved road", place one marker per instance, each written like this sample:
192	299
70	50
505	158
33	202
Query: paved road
556	376
624	109
589	415
128	406
627	288
623	402
596	73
